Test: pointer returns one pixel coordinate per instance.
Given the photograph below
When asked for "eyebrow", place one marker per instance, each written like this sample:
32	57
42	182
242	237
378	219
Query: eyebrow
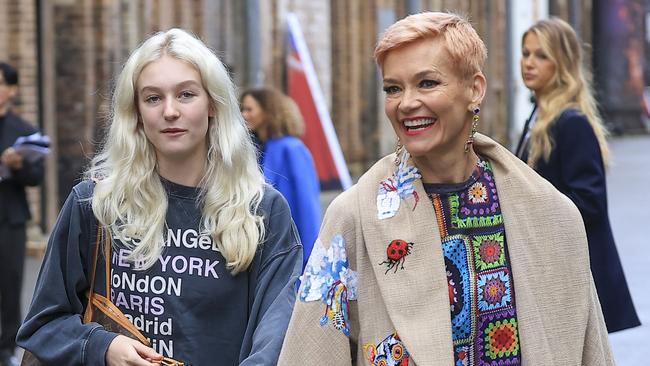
418	75
183	84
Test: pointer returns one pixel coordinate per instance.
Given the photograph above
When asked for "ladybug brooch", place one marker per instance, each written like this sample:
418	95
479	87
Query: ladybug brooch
396	253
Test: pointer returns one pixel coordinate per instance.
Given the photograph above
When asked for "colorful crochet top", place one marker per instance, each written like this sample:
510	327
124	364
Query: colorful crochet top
481	288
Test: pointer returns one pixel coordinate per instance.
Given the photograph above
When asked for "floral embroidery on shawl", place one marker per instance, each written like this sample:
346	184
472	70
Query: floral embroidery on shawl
397	187
328	278
389	352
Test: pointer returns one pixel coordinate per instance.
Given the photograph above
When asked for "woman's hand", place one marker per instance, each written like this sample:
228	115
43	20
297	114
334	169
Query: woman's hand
11	158
124	351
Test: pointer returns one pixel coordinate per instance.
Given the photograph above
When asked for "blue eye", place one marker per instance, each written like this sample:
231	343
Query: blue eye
391	89
428	83
187	94
152	99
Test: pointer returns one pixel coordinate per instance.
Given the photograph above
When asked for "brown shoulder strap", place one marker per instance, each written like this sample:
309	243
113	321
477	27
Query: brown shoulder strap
88	314
107	263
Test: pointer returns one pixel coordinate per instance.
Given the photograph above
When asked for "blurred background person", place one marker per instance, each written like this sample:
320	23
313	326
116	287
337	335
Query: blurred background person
276	123
17	173
564	140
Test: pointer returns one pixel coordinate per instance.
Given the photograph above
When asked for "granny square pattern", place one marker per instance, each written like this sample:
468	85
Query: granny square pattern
479	276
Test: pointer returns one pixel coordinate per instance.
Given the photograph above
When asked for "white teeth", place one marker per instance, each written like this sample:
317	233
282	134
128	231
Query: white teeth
418	122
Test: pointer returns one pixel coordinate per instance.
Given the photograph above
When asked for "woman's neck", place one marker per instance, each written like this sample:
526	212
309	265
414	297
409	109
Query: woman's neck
187	172
542	95
447	169
262	134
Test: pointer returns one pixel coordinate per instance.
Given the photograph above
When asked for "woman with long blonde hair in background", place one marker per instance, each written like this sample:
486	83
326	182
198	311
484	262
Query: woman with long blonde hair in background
564	140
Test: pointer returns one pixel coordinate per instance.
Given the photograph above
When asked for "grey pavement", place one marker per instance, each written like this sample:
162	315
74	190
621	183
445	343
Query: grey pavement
629	208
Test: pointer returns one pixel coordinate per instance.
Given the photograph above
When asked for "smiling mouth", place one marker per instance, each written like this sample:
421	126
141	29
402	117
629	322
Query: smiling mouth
418	124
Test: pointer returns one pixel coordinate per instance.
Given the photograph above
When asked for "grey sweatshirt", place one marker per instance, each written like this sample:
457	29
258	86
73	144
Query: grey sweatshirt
188	304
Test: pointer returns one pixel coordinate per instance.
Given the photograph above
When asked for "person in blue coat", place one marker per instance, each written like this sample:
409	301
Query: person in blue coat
276	123
564	140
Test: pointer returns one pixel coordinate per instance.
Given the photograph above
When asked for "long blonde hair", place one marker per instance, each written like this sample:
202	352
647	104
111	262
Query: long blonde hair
129	197
570	87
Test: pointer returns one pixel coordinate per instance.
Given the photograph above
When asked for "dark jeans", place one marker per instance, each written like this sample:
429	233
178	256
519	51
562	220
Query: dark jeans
12	260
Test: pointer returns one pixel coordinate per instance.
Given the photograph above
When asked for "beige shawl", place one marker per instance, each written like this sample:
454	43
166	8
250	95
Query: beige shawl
559	316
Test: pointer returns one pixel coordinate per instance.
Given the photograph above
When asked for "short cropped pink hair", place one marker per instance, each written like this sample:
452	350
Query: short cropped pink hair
463	44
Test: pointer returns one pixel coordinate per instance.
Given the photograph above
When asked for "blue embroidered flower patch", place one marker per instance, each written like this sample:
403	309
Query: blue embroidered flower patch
398	186
328	278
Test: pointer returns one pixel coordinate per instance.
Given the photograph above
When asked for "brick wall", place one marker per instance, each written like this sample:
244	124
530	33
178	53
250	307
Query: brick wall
4	28
70	87
355	87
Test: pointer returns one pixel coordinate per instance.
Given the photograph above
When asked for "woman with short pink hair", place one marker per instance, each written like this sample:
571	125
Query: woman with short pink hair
451	251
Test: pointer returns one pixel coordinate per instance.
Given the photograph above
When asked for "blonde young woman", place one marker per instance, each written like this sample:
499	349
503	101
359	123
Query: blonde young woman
451	251
564	141
203	256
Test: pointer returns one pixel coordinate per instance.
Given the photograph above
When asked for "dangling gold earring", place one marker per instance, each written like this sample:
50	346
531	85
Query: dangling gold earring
475	119
398	151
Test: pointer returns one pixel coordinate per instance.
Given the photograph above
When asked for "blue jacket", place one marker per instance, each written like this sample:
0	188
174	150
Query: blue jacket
576	169
289	167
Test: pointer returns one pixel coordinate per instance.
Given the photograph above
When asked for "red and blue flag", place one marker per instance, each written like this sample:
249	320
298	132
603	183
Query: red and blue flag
319	137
